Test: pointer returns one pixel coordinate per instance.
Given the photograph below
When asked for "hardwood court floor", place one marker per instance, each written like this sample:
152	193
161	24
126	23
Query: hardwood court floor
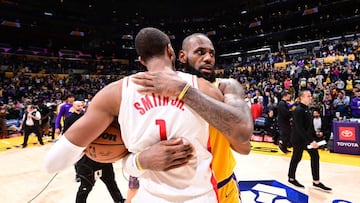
22	176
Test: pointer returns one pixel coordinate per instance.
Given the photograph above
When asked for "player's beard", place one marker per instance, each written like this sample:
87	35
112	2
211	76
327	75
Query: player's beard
190	69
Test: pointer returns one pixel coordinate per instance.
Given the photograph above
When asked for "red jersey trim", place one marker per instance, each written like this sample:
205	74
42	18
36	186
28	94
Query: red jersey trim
213	179
127	81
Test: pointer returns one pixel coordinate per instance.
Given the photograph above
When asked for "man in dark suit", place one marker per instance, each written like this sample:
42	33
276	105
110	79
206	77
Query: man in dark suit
284	117
303	135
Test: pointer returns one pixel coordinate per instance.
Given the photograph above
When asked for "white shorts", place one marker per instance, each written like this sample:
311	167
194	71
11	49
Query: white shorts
144	196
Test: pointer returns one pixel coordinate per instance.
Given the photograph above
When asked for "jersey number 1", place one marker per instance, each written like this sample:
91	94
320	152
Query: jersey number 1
162	128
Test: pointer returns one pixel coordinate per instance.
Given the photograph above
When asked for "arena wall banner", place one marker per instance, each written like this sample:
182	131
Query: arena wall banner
346	137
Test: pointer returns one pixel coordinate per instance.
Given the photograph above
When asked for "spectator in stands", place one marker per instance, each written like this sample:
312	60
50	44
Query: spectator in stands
278	91
287	83
256	109
266	99
320	127
1	92
248	99
349	85
328	77
333	92
316	103
340	85
335	74
327	109
272	105
355	105
341	104
319	78
259	97
3	127
88	100
318	93
271	126
13	112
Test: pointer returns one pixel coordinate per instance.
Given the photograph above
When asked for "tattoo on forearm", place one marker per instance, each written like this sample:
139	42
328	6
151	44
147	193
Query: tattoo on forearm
217	113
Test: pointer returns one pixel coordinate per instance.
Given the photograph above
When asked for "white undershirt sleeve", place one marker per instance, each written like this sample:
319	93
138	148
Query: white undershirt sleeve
62	155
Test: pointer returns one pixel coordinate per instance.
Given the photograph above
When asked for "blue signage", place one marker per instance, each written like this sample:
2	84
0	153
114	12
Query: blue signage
270	191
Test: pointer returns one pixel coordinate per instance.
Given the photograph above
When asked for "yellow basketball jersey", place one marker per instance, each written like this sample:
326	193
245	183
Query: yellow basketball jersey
223	160
223	164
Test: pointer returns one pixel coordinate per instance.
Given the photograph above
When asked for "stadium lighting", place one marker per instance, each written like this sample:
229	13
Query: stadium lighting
48	13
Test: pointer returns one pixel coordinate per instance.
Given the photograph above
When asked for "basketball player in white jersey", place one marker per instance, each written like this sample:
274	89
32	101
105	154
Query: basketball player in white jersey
100	114
145	119
198	57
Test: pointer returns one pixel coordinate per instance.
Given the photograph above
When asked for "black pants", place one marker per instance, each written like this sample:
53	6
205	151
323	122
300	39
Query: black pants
296	158
86	169
52	125
31	129
285	133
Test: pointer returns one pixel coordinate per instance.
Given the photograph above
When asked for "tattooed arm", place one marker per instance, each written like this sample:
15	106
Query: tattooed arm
234	95
226	117
232	117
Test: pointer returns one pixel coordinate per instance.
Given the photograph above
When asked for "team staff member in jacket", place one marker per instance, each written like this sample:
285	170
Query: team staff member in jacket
284	118
303	134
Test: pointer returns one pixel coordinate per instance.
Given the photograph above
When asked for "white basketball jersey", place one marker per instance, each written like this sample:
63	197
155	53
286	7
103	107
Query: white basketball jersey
147	119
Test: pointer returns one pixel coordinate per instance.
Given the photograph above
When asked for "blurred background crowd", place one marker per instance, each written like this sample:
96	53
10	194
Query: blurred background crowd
49	50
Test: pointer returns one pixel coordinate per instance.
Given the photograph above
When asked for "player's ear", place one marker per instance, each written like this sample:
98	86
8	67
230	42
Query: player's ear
170	51
182	56
141	61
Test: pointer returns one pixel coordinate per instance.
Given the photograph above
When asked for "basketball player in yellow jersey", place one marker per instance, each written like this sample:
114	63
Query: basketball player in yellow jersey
198	57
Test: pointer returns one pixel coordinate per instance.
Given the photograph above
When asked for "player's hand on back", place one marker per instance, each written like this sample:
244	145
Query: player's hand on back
163	83
165	155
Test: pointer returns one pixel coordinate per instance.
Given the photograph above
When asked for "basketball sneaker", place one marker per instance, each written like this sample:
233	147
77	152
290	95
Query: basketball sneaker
322	187
296	183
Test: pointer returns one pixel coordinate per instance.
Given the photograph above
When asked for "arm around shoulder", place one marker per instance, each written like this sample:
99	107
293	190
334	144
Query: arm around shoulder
231	116
234	96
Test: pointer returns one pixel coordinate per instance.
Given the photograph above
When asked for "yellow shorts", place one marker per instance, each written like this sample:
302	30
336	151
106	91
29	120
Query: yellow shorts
229	192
